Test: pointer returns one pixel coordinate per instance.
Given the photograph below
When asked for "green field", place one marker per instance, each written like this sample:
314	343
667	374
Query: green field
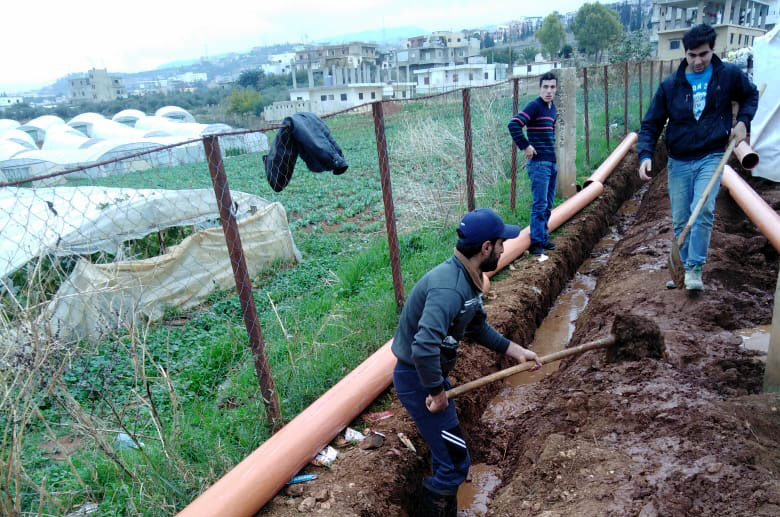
186	386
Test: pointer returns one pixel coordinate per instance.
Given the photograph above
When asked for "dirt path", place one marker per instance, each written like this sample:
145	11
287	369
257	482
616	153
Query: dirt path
678	436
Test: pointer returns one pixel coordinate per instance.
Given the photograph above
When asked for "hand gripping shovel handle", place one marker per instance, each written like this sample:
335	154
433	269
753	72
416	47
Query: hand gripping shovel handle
557	356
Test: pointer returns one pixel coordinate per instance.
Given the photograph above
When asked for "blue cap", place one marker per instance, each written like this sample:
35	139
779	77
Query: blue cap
485	225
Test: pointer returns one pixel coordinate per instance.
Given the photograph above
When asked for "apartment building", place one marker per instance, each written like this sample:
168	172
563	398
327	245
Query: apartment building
96	86
433	50
736	22
451	77
349	55
324	99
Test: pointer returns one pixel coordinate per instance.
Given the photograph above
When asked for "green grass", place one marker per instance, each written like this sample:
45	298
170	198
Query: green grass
337	308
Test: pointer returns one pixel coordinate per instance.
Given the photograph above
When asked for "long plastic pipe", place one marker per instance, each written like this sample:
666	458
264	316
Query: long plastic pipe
593	188
513	248
766	220
605	169
253	482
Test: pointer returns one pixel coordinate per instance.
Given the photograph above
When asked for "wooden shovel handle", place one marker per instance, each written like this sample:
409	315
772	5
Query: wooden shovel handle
557	356
706	194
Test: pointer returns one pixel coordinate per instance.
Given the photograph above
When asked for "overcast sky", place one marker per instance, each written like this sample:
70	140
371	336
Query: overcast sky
47	39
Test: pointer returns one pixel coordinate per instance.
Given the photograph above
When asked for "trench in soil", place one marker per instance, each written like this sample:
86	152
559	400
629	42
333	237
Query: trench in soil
553	335
677	436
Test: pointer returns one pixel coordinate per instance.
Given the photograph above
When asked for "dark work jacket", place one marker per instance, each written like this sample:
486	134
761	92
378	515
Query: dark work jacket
686	137
307	136
443	307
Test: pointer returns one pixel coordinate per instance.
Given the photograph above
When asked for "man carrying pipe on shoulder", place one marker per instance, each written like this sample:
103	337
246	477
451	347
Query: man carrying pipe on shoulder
443	307
696	100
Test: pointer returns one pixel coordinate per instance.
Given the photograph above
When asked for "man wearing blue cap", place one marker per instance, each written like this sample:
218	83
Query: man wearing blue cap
443	307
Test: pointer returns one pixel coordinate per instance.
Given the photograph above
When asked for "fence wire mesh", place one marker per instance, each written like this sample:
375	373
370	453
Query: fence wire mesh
125	288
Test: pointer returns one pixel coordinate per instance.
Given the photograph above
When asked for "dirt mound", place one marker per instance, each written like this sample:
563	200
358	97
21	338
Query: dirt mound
637	337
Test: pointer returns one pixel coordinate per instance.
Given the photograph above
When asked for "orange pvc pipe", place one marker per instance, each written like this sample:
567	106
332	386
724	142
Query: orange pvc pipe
766	220
253	482
747	157
513	248
605	169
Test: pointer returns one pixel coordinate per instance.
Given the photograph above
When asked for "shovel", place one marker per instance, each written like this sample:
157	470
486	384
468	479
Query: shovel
676	268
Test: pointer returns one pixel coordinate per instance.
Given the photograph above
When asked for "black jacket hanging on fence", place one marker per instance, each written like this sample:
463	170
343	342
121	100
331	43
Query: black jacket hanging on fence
307	136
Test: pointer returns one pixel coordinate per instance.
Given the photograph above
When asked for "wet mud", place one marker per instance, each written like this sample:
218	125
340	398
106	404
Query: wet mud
686	433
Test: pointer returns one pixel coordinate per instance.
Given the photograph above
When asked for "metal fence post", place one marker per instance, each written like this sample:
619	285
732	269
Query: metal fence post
651	81
606	103
587	123
468	150
387	197
515	108
639	75
625	98
243	284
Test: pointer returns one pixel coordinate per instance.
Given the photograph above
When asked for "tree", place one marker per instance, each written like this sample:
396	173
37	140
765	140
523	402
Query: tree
243	101
488	42
250	78
499	55
630	46
566	51
529	54
595	28
551	35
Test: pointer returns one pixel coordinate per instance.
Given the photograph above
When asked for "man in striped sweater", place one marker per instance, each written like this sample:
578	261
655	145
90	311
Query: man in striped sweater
538	117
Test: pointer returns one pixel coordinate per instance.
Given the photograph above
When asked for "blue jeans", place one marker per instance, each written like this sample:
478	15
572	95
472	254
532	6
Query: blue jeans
687	181
543	176
441	431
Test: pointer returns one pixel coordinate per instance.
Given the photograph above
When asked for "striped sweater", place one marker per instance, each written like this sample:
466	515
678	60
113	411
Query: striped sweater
539	121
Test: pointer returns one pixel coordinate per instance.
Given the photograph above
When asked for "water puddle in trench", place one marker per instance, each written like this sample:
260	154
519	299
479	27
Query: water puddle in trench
756	339
552	336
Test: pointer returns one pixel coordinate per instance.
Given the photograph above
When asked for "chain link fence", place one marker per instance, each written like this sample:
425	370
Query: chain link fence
106	251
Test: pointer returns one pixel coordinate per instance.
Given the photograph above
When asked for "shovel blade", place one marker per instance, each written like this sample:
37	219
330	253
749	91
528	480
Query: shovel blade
676	269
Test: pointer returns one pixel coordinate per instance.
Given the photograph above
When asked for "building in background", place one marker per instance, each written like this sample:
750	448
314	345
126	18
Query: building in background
325	99
477	72
348	55
437	49
279	64
6	101
736	22
96	86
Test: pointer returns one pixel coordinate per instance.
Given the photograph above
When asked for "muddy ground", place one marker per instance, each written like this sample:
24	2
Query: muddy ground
687	434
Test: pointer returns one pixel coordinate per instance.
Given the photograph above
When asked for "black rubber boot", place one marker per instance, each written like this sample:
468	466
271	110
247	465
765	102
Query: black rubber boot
437	505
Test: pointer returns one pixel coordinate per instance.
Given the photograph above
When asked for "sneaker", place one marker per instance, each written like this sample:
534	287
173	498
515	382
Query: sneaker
671	285
536	249
549	245
693	279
